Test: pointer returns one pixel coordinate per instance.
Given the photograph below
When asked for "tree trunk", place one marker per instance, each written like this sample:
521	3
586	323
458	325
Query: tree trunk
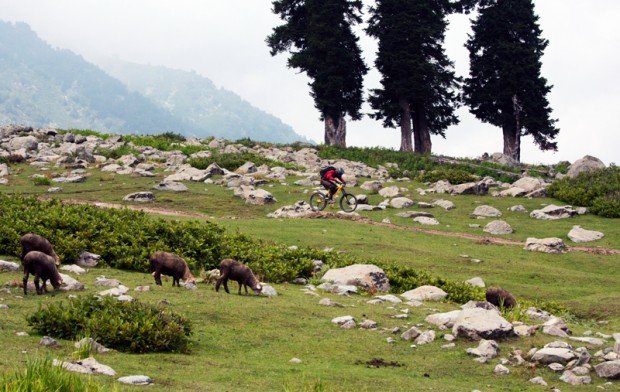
405	127
335	135
512	141
421	133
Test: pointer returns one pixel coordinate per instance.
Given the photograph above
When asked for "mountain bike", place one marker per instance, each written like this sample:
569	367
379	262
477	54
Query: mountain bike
348	202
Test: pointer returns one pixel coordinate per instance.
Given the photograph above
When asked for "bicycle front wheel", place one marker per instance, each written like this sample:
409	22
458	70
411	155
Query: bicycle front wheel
348	202
318	201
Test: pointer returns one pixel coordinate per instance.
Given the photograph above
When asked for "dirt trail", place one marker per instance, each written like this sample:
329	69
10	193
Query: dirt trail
328	215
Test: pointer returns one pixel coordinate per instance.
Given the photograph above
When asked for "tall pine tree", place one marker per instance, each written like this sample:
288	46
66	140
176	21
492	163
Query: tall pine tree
318	35
418	83
505	87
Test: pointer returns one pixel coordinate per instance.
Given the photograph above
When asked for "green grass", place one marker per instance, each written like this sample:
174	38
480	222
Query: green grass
242	343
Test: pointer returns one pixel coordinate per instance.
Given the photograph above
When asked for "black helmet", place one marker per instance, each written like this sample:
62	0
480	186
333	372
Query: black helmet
341	171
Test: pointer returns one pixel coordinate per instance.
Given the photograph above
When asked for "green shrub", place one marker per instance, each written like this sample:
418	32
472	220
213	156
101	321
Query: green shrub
234	161
454	176
116	153
41	181
599	190
85	132
40	375
125	326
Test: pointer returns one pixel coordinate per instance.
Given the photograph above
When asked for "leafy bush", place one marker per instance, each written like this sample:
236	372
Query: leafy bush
12	158
40	375
85	132
125	326
410	164
234	161
599	190
41	181
454	176
116	153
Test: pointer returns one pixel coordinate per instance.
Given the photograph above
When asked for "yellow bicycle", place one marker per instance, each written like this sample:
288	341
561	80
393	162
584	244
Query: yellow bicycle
348	202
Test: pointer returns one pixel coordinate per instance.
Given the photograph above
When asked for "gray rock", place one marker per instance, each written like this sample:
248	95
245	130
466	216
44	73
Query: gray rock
426	221
4	170
54	189
588	340
538	381
342	319
75	269
70	284
486	348
400	202
295	361
390	191
70	180
371	186
487	212
476	282
143	288
498	227
501	370
86	366
548	355
425	337
479	323
171	186
517	208
414	214
610	370
389	298
425	205
443	319
411	334
47	341
584	165
8	266
471	188
28	143
268	291
88	260
513	192
94	346
571	378
140	197
368	324
556	367
553	212
348	325
445	204
537	314
425	293
529	184
545	245
577	234
136	380
247	168
367	276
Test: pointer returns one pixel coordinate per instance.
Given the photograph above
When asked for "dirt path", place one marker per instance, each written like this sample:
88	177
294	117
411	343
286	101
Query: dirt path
362	220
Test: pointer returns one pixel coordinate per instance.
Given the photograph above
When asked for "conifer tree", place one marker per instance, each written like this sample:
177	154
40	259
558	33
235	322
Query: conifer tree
418	83
505	87
318	34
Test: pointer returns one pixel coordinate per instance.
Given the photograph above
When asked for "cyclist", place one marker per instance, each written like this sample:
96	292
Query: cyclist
330	178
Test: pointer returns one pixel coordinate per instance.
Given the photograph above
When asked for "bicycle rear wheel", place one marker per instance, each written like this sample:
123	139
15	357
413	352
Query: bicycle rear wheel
318	201
348	202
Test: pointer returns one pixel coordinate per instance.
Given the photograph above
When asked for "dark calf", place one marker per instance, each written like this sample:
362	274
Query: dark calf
164	263
31	241
241	273
43	267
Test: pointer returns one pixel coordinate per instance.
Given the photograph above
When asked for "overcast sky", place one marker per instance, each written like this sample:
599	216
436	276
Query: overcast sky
224	40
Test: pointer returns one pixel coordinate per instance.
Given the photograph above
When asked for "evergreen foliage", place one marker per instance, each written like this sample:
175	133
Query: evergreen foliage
318	34
505	87
418	83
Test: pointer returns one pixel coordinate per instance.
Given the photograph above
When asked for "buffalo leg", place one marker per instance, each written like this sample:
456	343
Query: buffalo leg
157	277
25	282
36	285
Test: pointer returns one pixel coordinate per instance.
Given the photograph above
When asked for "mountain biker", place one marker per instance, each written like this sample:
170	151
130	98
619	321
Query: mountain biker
330	178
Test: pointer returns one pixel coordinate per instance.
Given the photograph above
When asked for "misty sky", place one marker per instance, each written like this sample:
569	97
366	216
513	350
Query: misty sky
224	40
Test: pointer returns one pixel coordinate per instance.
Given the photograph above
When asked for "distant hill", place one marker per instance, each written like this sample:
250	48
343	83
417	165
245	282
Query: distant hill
44	86
199	103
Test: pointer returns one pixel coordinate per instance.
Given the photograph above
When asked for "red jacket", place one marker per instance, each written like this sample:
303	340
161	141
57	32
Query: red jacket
332	175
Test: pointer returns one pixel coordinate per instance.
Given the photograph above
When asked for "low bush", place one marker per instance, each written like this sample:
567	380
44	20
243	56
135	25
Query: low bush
116	153
40	375
124	326
167	141
599	190
454	176
85	132
234	161
41	181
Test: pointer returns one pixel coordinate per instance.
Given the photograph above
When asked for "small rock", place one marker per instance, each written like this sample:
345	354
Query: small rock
486	348
348	324
571	378
425	337
140	197
498	227
556	367
136	380
426	221
448	345
8	266
22	333
342	319
142	288
47	341
411	334
538	381
476	282
391	340
295	361
487	212
501	370
368	324
268	291
425	293
73	268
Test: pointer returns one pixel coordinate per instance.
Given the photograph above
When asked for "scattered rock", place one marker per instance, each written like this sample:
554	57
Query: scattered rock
445	204
8	266
476	282
487	212
171	186
545	245
401	202
577	234
136	380
549	355
93	344
588	340
426	221
478	323
486	348
88	260
103	281
142	288
368	324
414	214
610	369
498	227
342	319
70	284
295	361
367	276
538	381
553	212
86	366
389	298
517	208
411	334
75	269
390	191
501	370
571	378
425	293
443	319
47	341
372	186
425	337
268	291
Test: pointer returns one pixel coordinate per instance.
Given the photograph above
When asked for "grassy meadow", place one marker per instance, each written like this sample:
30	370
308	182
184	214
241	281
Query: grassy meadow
242	343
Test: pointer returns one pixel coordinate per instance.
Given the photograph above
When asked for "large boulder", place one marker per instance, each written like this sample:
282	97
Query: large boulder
400	202
584	165
372	186
486	348
140	197
549	355
425	293
28	143
368	276
424	220
498	227
545	245
297	210
171	186
247	168
552	212
88	260
445	204
577	234
471	188
529	184
8	266
390	191
479	323
70	284
188	173
259	197
443	319
609	369
486	212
